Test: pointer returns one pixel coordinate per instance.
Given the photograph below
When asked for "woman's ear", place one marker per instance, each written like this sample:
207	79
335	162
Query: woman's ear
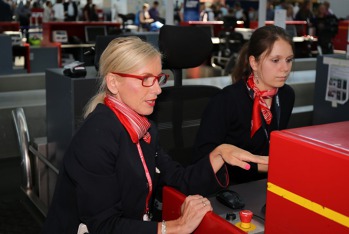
253	63
112	83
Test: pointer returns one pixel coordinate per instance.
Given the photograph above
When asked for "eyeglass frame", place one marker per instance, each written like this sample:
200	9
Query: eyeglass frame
142	78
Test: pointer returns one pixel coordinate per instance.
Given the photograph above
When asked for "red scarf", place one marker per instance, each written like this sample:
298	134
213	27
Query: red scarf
259	105
136	125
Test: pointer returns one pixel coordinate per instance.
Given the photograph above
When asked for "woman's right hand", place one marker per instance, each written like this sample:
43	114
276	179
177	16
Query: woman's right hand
193	211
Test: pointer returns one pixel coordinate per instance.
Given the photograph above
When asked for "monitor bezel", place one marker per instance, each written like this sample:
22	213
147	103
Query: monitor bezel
87	37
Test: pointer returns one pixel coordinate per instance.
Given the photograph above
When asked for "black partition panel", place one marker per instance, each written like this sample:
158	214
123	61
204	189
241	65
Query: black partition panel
65	100
326	111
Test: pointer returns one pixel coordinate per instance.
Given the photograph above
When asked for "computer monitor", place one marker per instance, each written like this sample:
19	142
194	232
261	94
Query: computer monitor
91	33
103	41
60	36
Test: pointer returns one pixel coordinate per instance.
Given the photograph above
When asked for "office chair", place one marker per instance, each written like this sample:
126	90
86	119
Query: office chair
177	114
230	43
183	47
179	108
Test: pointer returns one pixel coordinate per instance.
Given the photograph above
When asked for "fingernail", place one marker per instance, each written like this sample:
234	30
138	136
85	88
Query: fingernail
248	166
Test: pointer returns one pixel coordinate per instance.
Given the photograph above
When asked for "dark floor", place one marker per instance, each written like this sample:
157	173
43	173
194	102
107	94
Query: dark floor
17	214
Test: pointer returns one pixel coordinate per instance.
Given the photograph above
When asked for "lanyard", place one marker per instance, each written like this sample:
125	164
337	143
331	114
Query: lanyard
146	216
277	108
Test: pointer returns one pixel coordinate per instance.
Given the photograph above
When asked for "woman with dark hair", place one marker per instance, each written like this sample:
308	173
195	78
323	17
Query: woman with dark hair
244	114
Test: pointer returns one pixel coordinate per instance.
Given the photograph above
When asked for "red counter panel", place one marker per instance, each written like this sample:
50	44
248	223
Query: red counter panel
308	180
211	223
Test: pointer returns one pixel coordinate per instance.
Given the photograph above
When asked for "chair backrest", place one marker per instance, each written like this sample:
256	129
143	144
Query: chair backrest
183	47
177	114
211	223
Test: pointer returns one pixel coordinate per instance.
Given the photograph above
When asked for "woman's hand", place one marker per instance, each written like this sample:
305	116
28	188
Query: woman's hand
193	211
234	156
263	167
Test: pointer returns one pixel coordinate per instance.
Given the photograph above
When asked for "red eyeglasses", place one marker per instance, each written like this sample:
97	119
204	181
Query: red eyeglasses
147	80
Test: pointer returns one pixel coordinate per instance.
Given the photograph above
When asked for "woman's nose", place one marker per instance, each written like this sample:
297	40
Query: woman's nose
156	87
286	66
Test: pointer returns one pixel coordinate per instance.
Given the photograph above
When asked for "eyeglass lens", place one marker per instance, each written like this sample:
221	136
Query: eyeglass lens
149	81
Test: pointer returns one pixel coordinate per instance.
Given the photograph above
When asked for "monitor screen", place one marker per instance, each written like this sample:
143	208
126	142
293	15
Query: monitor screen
91	33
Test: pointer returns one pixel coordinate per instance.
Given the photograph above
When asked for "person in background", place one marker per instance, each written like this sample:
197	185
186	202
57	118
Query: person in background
178	12
23	13
48	14
5	12
270	11
223	8
258	102
58	10
206	12
252	14
87	11
295	9
94	13
144	18
114	163
290	28
71	10
282	5
305	13
154	12
328	8
326	27
241	14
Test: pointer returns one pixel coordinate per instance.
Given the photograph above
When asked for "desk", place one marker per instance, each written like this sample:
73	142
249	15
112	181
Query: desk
253	193
9	26
254	196
74	28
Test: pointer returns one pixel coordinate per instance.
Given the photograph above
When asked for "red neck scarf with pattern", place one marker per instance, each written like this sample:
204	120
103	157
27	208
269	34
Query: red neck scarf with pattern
136	125
259	105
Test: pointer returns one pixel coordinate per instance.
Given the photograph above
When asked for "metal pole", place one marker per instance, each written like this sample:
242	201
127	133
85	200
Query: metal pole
169	12
262	12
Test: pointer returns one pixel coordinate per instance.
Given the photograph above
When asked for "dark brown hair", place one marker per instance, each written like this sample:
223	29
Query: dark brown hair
262	40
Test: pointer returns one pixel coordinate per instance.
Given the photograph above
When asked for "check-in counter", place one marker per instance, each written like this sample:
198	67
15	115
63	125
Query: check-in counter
307	178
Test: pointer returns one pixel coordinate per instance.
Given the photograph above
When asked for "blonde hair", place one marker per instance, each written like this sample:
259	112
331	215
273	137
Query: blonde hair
124	55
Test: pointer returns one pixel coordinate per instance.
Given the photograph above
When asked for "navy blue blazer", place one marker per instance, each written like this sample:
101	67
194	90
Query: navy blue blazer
227	119
102	182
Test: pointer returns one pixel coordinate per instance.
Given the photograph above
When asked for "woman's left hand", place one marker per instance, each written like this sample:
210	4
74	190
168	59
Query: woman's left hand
235	156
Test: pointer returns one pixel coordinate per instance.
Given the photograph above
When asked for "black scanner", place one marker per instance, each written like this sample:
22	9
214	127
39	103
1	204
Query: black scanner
75	70
230	199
